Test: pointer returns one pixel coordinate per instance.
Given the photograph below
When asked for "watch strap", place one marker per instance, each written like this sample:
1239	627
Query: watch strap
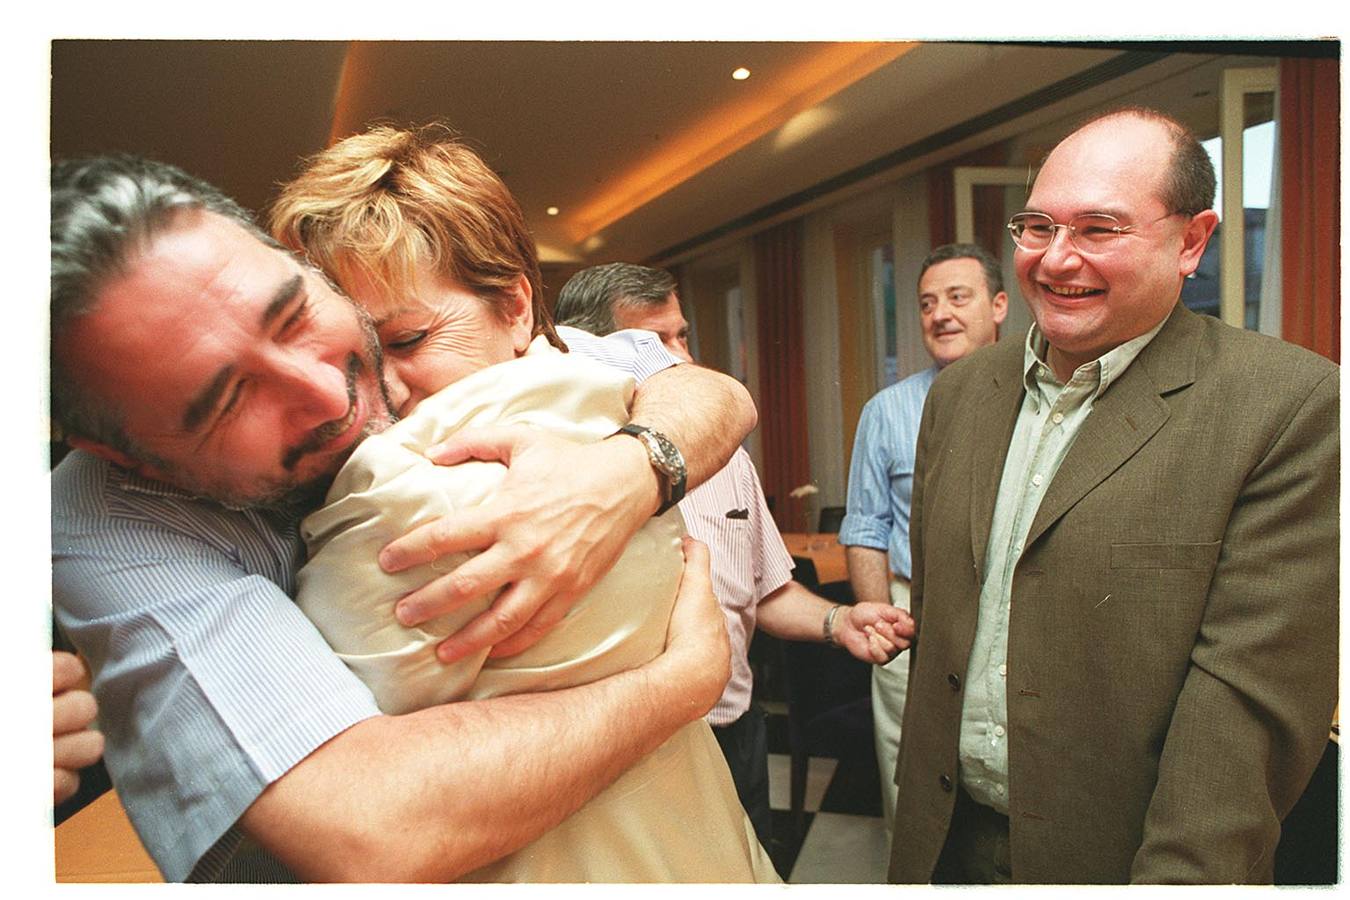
665	458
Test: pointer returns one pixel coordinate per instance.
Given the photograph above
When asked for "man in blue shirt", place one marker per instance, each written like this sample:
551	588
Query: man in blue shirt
961	304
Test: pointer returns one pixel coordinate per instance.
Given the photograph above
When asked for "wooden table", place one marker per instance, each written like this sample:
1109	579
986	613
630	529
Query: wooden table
822	549
98	844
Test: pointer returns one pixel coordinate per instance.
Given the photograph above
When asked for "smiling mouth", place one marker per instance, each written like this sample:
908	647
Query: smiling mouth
337	427
1070	292
329	432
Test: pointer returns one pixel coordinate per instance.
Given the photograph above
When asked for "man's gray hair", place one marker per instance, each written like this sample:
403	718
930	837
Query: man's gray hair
105	210
589	298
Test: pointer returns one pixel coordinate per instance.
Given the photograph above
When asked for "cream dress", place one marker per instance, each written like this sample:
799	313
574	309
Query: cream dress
672	817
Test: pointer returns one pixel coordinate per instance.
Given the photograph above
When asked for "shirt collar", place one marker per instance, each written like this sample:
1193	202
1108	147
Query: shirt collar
1106	369
134	483
128	480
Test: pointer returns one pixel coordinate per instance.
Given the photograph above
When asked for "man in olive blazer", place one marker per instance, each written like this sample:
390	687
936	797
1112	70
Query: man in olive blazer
1171	610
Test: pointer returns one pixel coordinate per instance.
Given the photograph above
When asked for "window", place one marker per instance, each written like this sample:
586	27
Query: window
1237	279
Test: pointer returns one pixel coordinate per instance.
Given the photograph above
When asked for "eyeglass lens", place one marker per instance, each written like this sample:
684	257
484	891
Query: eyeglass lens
1033	231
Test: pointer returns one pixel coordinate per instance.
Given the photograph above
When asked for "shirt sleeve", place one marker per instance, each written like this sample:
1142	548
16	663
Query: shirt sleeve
868	518
210	683
639	353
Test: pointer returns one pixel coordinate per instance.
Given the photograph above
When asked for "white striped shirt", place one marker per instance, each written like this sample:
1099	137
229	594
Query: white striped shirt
210	682
749	562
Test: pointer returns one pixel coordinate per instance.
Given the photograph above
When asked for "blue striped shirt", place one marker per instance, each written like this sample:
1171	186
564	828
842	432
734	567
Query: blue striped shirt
210	682
881	474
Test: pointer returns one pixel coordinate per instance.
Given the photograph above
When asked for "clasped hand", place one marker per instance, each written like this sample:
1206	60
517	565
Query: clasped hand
874	632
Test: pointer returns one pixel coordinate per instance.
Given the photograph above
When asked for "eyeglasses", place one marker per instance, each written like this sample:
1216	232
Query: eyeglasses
1093	233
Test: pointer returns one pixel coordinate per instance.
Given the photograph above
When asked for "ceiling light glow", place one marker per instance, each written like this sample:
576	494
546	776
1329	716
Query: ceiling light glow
552	210
741	74
729	129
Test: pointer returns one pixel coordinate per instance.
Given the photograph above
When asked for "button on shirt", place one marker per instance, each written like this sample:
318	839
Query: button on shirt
1049	420
881	475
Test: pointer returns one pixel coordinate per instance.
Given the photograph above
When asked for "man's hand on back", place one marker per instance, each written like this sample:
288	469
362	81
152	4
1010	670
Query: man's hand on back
559	521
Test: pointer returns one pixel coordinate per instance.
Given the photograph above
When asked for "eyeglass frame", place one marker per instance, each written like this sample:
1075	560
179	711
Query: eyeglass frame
1118	230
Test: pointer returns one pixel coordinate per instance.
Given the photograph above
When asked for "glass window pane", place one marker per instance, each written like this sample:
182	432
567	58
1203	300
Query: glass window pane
1258	149
1201	290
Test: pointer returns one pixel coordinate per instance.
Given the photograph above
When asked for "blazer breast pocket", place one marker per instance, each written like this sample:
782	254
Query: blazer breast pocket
1165	556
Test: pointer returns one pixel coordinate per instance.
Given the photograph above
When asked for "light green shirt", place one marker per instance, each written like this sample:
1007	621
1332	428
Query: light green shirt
1050	418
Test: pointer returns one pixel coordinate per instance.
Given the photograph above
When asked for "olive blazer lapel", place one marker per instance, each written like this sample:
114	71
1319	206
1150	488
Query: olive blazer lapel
995	416
1124	418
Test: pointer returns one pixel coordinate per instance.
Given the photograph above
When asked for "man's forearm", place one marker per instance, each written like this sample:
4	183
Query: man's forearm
705	413
467	783
871	632
793	613
869	574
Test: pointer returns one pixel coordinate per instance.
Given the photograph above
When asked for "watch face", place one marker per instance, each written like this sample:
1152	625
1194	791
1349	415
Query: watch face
670	456
665	458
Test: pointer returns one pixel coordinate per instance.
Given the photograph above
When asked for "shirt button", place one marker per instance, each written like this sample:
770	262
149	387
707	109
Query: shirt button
1036	480
945	783
998	730
1003	670
1041	371
955	681
998	788
1057	418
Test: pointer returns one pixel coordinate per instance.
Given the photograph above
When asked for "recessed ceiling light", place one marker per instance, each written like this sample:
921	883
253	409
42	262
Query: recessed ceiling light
741	74
552	210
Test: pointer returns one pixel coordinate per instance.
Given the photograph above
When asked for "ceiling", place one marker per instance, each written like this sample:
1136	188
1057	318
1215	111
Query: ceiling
647	149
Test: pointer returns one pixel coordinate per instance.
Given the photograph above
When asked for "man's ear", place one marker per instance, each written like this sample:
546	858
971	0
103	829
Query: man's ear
999	304
1194	238
103	451
520	313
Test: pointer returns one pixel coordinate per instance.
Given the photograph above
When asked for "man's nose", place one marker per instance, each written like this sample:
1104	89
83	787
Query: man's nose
1061	254
313	390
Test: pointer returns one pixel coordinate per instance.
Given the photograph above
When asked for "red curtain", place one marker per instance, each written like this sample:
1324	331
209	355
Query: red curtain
782	381
1310	191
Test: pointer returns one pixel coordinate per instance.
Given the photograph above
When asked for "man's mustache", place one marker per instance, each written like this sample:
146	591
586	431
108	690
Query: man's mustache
328	430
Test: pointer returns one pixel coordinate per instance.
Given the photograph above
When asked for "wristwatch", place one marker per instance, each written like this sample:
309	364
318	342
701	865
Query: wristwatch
828	625
666	459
